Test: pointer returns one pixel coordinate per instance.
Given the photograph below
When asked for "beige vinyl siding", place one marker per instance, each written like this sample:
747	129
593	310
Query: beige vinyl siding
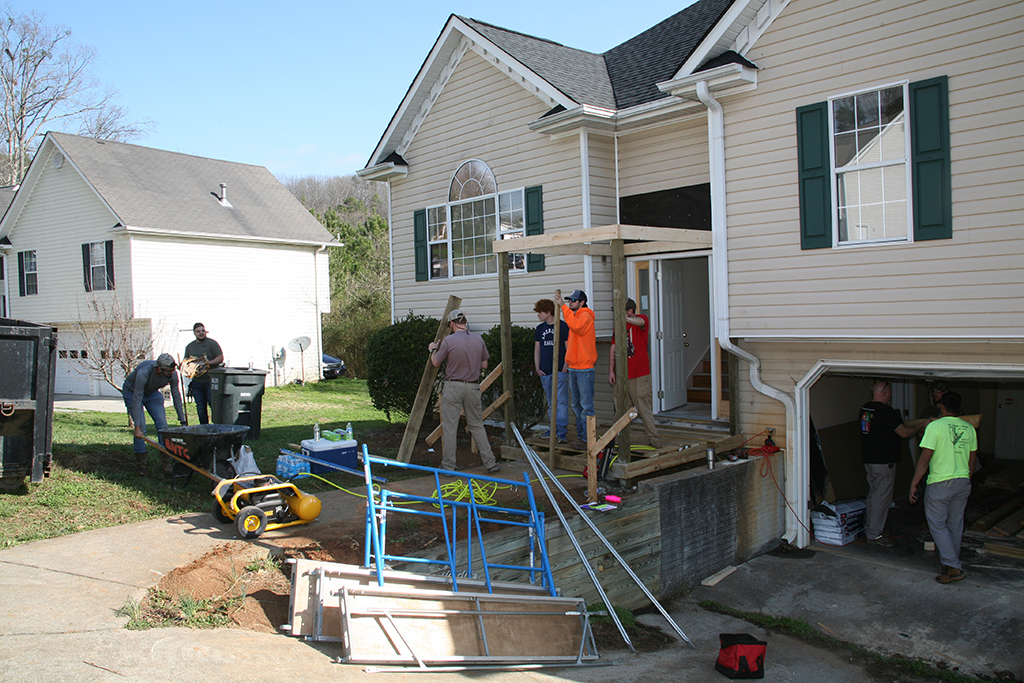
817	50
483	114
61	214
675	155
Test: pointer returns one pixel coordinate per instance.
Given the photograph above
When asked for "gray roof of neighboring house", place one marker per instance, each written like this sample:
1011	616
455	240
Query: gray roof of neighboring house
174	192
625	76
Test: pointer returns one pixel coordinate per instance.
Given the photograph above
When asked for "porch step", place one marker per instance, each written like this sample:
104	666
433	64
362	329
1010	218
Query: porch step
700	391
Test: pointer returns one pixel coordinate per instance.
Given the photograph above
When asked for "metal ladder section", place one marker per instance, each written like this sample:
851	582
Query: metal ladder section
380	502
427	628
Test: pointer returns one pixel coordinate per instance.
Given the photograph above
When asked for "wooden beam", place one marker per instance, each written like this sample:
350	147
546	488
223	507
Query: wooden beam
488	381
621	348
419	405
505	306
643	248
553	403
674	459
552	242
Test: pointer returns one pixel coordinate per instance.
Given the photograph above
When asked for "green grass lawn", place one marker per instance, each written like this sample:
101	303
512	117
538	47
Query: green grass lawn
93	483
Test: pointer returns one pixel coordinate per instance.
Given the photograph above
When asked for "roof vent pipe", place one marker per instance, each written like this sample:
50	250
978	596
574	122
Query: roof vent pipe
224	195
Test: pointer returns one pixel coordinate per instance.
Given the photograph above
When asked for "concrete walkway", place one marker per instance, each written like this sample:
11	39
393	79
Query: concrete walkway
58	617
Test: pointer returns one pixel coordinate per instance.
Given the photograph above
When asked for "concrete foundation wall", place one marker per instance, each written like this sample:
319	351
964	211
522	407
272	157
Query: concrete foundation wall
711	519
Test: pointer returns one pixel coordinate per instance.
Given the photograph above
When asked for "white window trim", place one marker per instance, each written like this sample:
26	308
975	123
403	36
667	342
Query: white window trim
834	175
499	233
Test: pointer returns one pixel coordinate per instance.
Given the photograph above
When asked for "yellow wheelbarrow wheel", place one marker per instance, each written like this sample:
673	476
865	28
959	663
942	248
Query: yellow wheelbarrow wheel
250	522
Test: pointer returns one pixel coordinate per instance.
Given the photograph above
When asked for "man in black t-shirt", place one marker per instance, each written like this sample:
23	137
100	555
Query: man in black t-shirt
881	429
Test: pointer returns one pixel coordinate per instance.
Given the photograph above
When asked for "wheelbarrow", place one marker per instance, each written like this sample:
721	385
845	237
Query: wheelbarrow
208	446
255	503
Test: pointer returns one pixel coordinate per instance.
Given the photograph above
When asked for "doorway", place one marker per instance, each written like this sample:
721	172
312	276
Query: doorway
674	291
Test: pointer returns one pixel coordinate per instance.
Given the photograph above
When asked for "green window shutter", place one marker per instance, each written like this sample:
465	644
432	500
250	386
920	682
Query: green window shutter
815	176
87	267
419	231
534	210
930	159
108	247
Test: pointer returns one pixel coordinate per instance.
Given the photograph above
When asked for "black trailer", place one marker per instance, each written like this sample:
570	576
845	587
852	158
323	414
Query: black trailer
28	357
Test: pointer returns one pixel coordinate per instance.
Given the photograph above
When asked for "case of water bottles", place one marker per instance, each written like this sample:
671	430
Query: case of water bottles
289	467
344	453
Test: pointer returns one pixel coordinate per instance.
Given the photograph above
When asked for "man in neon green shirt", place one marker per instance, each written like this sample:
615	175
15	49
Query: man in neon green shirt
949	449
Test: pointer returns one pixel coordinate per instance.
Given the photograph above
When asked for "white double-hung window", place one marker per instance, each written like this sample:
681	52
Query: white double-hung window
460	232
870	171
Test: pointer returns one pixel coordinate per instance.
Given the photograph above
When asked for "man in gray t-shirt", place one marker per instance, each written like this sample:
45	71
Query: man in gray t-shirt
465	355
141	390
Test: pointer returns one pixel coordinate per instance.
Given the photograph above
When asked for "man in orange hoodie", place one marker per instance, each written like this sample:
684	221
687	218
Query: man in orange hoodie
580	356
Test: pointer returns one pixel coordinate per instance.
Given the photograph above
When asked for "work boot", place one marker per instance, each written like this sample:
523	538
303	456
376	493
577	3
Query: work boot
951	575
167	466
140	464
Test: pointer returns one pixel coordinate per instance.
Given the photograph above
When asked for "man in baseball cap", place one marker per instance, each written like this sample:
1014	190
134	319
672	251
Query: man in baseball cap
465	355
141	389
580	357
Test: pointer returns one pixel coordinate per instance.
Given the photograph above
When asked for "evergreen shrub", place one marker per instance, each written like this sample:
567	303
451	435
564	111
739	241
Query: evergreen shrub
528	392
395	358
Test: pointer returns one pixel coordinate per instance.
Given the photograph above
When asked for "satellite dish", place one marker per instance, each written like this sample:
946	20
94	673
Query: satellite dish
299	344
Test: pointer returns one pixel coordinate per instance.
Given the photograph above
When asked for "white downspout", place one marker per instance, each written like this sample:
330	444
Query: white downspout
319	316
720	268
391	254
588	260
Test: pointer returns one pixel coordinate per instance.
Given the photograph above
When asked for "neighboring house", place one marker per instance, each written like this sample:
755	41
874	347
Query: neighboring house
859	167
175	239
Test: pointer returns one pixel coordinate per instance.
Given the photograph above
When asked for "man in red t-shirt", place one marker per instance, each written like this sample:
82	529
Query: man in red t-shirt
638	366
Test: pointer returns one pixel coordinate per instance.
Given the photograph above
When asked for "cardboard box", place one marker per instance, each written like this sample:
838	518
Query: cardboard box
344	453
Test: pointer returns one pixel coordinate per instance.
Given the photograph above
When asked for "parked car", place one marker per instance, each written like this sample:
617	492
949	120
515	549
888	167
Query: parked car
333	367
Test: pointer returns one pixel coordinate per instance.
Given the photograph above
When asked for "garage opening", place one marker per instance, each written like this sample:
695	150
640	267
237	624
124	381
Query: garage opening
994	520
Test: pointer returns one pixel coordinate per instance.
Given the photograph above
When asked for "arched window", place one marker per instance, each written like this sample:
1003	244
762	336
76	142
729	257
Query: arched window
460	232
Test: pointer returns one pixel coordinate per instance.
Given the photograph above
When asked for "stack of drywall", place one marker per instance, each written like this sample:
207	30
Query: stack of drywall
838	523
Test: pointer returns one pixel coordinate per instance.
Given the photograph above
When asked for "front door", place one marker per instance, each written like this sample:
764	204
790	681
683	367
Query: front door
683	334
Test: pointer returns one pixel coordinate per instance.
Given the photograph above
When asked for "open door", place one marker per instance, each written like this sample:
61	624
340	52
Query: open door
683	334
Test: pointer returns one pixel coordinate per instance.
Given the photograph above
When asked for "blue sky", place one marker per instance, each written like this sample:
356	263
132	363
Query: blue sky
302	88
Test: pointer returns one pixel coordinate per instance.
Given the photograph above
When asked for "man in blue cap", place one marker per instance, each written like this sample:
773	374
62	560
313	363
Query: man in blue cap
141	388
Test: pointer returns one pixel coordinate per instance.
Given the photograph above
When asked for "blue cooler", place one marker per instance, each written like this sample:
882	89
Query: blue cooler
344	453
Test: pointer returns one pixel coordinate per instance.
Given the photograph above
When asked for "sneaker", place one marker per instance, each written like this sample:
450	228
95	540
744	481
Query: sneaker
494	468
448	475
546	434
951	575
882	541
563	439
579	445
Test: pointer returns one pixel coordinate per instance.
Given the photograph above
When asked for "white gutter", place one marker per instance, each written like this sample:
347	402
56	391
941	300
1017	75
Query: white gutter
720	269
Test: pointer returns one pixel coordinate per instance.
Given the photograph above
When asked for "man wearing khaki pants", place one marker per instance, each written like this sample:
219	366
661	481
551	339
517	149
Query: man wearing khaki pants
465	355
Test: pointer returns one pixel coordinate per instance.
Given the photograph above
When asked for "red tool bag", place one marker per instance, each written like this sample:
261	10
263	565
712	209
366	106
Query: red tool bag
741	656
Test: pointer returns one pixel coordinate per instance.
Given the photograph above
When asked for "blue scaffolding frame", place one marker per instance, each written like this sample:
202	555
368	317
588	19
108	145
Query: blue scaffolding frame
380	502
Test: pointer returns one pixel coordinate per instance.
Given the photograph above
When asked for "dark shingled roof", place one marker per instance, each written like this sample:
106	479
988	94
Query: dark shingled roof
625	76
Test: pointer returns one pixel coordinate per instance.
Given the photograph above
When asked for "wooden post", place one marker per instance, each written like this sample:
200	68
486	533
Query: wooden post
622	402
554	380
591	458
507	385
419	406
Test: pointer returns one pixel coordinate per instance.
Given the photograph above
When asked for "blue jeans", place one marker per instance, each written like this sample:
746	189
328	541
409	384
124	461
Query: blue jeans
154	405
200	392
562	417
581	383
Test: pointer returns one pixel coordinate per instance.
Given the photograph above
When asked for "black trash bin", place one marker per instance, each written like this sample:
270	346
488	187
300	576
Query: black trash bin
28	357
236	397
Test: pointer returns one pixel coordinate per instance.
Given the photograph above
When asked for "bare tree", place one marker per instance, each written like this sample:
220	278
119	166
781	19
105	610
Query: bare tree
351	194
45	83
111	342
